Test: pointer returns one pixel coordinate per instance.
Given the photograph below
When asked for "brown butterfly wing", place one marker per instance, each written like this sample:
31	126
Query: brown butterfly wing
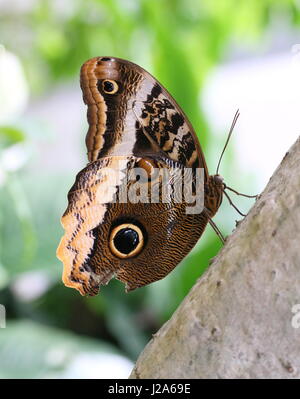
141	117
138	123
169	233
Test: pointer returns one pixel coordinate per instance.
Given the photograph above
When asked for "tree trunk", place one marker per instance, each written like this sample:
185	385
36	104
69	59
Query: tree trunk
238	321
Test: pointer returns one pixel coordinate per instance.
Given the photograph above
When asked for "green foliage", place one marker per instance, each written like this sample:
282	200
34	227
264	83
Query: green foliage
10	135
30	350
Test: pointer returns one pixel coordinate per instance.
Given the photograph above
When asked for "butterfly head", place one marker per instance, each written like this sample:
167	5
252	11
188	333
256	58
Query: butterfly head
214	193
218	180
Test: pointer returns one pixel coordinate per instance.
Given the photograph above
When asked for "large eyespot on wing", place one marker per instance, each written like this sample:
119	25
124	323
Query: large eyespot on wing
127	240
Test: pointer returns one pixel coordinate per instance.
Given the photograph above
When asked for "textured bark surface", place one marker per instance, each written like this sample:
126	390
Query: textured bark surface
236	322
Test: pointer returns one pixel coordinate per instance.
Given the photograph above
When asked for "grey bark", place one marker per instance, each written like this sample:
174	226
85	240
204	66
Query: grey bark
236	322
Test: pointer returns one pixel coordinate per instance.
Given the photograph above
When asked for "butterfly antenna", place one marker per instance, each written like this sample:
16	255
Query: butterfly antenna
236	116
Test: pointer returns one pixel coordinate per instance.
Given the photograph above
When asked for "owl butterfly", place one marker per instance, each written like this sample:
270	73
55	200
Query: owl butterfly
134	124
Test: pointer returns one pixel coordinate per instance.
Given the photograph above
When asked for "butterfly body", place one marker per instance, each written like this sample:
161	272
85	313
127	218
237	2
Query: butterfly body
134	125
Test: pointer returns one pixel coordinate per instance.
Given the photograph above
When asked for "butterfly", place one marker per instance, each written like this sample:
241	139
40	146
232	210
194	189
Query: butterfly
134	125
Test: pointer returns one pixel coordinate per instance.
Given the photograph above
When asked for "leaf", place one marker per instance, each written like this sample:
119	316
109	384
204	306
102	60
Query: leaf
10	135
30	350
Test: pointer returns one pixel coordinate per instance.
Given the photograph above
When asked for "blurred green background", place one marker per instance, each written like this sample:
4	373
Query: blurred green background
51	331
